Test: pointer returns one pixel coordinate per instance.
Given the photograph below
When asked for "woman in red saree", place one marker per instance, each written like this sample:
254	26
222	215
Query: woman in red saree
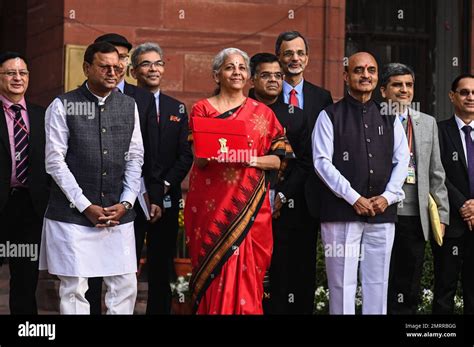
227	214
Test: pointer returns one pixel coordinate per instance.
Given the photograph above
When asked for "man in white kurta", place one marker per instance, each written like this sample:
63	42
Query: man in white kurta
87	239
362	157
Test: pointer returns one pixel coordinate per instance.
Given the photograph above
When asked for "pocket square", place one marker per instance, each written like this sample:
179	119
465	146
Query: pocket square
174	118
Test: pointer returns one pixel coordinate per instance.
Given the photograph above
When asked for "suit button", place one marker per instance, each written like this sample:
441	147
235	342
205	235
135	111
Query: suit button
102	109
105	151
371	171
370	155
104	173
370	188
366	126
102	194
104	130
368	140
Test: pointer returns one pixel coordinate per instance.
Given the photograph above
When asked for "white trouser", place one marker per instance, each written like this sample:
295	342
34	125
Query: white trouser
119	298
342	241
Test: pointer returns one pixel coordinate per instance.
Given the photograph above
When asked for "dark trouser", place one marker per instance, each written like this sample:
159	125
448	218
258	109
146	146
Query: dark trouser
293	265
161	250
406	266
20	226
94	293
455	257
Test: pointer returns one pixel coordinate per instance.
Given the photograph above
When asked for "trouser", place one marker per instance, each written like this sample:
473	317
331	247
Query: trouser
21	228
161	249
119	298
94	294
454	258
406	266
344	243
293	265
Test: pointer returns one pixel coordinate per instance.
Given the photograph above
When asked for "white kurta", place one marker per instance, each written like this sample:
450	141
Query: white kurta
74	250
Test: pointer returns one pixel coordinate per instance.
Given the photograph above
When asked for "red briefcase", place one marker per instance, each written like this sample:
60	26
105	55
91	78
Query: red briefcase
220	138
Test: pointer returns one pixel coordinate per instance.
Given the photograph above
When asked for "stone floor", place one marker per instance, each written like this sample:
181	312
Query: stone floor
47	293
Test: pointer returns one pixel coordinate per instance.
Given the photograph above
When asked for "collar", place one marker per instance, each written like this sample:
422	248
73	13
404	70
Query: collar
288	87
460	122
157	95
100	99
7	102
121	85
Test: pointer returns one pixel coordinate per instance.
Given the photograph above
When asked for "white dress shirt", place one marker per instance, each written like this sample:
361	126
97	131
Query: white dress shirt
323	149
460	124
74	250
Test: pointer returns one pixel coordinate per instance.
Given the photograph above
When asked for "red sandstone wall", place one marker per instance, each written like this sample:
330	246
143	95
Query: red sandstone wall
190	32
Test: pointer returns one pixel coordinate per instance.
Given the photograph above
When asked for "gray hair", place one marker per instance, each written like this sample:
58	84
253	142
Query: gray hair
220	57
395	69
145	48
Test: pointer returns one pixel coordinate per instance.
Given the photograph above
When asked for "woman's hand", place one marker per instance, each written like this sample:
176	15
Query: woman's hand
266	162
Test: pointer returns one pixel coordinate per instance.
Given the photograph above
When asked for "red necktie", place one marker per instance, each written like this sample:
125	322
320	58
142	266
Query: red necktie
294	99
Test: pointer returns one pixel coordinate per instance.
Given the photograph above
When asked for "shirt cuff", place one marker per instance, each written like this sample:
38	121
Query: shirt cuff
391	198
82	203
352	197
128	196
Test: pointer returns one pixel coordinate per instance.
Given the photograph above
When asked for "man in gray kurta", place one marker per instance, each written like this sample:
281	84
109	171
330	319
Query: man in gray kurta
425	176
94	153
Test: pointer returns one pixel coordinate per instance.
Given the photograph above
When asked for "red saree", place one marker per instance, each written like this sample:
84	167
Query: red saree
228	219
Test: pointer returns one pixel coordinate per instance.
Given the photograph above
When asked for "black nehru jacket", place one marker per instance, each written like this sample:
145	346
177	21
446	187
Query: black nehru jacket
363	150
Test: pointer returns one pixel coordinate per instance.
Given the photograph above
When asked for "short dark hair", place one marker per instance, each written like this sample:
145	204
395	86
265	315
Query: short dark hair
261	58
395	69
455	83
98	47
288	36
4	56
115	39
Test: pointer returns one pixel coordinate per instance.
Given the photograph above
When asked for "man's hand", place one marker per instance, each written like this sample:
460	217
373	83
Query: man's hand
467	210
379	204
155	213
93	213
113	214
277	205
443	229
363	207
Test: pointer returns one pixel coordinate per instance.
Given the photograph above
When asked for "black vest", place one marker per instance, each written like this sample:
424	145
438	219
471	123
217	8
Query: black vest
363	150
99	140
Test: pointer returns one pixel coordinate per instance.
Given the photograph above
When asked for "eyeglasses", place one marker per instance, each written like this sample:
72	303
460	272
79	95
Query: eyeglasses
465	92
13	73
268	75
148	64
289	54
106	68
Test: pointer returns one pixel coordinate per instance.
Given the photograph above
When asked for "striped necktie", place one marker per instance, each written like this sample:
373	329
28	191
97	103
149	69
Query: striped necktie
470	156
20	134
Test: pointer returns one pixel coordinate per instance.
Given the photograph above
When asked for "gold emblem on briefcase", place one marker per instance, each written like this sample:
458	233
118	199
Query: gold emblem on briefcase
224	148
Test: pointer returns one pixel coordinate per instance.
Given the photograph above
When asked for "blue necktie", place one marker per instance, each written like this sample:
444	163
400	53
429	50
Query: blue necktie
470	157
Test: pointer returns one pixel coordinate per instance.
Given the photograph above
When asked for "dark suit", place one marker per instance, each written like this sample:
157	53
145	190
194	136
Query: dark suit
22	210
291	274
171	159
456	256
147	111
315	100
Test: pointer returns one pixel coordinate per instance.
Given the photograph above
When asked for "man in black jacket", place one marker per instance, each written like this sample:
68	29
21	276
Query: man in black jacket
292	50
146	109
171	160
287	190
456	256
24	184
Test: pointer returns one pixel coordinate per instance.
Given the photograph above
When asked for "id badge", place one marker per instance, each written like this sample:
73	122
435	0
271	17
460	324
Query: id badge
167	201
411	178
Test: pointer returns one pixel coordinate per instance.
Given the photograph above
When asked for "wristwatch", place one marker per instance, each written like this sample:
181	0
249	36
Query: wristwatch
127	205
282	197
